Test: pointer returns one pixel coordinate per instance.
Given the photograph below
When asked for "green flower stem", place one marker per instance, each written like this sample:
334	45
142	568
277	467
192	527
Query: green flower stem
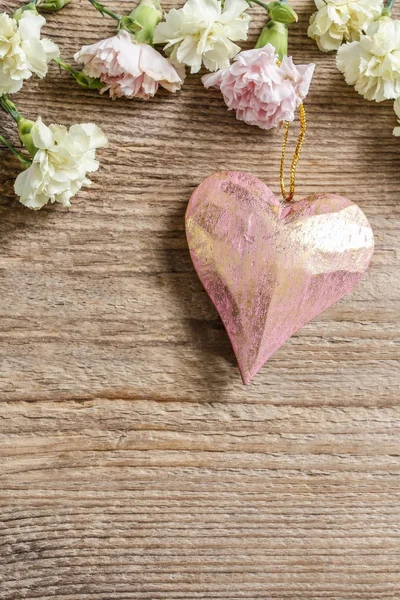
30	5
105	11
10	108
387	10
251	2
65	66
24	160
86	82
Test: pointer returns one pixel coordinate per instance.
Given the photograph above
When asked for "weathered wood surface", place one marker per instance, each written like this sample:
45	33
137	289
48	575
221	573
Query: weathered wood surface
134	464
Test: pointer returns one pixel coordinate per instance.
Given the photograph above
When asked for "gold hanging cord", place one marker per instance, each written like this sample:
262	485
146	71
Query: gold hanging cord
296	155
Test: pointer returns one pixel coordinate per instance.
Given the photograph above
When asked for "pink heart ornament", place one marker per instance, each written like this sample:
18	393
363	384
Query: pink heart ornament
270	266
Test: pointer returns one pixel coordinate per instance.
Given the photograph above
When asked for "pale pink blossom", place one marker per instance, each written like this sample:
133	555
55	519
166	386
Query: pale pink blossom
127	68
260	90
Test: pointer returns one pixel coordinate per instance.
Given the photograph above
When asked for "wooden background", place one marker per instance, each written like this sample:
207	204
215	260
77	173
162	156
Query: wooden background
134	464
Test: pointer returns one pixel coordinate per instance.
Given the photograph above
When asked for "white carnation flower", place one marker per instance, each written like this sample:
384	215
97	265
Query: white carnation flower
22	52
396	106
203	31
338	21
372	64
59	167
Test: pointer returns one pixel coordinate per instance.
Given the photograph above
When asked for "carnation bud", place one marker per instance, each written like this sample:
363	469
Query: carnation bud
52	5
276	34
24	132
282	13
144	19
24	125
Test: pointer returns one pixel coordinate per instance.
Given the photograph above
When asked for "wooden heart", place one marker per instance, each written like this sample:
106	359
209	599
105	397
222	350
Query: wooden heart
269	266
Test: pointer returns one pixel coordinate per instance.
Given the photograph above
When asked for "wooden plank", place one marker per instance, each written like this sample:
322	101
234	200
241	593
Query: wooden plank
134	464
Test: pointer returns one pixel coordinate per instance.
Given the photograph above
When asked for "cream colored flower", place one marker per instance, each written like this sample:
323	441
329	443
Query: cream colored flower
338	21
59	167
22	52
372	65
204	32
396	106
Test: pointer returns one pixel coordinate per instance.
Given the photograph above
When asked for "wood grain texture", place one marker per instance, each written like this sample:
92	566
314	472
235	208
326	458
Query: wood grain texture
134	464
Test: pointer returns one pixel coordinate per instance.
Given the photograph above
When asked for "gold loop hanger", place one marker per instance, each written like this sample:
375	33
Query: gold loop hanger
296	155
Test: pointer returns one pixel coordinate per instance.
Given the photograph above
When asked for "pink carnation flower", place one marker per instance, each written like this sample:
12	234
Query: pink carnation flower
127	68
261	91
